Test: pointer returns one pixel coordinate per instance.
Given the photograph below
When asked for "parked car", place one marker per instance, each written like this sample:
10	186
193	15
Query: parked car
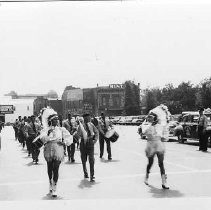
137	121
187	127
172	125
114	120
121	121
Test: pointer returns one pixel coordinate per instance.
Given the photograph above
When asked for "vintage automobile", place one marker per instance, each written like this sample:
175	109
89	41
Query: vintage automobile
187	127
171	126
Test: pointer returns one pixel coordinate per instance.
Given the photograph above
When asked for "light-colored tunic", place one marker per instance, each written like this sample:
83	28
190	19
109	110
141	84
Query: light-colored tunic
54	148
154	143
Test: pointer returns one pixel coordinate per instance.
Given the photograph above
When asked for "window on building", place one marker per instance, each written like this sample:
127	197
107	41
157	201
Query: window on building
104	100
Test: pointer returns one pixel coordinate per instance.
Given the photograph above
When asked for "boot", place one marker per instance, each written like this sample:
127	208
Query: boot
54	194
50	187
164	183
146	179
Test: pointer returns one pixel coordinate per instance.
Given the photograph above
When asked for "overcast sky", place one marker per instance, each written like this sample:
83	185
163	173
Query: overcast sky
47	46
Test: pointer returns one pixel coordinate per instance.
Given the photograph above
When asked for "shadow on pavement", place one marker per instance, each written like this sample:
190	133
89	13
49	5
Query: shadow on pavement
27	157
161	193
70	163
49	197
84	183
34	164
108	161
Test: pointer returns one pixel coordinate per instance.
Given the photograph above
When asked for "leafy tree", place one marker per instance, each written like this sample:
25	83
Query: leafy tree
132	98
205	92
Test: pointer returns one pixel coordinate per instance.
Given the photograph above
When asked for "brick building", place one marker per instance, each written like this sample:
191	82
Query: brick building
109	99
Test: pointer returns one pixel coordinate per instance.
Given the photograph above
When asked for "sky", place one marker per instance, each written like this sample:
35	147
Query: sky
46	46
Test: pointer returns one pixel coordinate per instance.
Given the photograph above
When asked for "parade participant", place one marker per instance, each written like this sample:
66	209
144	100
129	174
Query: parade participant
15	127
60	123
72	128
52	135
32	131
89	136
103	126
156	134
27	144
202	125
18	127
22	133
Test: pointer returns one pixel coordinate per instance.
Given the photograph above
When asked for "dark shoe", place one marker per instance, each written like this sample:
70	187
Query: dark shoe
165	187
92	179
109	158
72	160
86	176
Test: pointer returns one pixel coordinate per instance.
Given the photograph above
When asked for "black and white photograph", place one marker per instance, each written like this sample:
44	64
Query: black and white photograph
105	104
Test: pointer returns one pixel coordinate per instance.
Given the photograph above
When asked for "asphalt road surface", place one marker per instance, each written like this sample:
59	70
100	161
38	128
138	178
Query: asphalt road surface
119	182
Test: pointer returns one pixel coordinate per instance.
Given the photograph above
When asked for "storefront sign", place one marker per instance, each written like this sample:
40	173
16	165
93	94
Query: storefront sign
116	86
6	109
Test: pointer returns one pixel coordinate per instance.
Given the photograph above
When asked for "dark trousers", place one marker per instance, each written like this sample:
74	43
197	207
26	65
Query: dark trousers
71	151
160	163
35	152
16	133
53	170
203	139
87	151
102	139
29	143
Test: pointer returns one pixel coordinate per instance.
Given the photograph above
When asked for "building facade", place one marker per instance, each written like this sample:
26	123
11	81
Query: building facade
109	99
42	102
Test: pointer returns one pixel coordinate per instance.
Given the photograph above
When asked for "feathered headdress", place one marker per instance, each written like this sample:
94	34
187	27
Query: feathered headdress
47	114
162	113
162	119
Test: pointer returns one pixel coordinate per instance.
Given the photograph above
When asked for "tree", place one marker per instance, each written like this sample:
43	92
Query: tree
52	94
205	92
132	98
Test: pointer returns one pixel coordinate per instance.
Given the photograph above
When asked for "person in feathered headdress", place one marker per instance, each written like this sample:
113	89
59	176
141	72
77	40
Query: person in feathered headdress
54	138
156	133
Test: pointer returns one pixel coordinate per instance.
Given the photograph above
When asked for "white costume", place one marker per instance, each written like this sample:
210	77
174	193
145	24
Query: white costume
53	142
156	133
154	143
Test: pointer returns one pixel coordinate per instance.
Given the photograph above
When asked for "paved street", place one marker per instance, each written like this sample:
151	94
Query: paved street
189	173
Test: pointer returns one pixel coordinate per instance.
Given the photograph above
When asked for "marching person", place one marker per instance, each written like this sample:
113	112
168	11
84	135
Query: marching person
18	127
89	136
54	138
103	126
72	128
32	131
155	146
15	127
202	125
22	133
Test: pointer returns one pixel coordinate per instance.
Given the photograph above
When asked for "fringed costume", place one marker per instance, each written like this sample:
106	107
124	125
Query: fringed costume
156	133
54	138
